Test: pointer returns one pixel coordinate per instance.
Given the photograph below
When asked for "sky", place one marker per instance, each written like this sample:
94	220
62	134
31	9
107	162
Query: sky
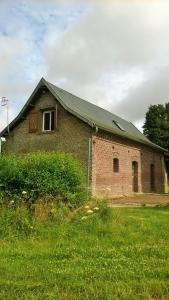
113	53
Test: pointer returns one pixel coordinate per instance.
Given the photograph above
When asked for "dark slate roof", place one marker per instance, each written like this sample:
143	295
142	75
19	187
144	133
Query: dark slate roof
89	113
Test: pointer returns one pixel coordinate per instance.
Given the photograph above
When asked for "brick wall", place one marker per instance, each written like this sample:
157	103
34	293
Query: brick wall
106	182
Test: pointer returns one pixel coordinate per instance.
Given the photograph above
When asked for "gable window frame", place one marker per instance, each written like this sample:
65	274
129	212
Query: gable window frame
51	126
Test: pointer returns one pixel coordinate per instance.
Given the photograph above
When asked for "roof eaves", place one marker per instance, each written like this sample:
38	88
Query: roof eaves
131	137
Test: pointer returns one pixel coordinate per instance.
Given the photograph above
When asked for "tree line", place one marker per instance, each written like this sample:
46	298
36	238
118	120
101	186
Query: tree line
156	126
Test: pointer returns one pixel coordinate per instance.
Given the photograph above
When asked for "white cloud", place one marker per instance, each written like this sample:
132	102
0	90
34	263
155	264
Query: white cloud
8	50
111	41
154	90
114	53
110	36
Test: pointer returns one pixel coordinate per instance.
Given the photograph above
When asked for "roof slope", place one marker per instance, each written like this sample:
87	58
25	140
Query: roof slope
89	113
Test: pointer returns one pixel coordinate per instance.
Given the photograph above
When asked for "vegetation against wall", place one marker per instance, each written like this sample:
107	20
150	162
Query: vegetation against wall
57	174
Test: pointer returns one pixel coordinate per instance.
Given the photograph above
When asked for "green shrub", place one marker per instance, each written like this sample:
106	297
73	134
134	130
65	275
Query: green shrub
9	172
48	173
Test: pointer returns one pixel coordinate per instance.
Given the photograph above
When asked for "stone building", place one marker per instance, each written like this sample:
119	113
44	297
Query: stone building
118	159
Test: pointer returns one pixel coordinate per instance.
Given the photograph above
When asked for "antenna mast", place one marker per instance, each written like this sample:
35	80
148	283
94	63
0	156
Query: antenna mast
5	102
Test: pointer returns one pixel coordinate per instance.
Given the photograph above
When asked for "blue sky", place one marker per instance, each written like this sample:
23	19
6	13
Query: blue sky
114	53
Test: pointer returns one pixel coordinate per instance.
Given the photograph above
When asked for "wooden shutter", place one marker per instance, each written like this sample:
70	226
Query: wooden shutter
33	121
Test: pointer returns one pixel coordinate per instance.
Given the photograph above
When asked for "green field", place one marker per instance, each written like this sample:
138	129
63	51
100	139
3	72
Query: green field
122	254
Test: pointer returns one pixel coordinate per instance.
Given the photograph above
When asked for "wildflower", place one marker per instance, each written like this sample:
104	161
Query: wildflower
87	206
12	202
24	193
90	211
84	218
96	208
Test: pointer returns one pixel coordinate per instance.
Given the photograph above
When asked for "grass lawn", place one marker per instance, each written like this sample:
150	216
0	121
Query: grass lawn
124	255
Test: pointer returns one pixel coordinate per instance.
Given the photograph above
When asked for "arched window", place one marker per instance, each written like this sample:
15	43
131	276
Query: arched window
116	165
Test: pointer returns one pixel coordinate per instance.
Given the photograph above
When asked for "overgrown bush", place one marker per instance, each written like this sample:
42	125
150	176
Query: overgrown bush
48	173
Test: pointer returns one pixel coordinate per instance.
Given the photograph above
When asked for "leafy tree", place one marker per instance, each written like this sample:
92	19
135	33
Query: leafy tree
156	126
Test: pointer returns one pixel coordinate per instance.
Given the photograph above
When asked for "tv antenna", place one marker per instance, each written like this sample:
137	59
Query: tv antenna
5	103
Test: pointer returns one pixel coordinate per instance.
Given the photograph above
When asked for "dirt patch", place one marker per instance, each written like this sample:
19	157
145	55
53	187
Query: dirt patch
141	200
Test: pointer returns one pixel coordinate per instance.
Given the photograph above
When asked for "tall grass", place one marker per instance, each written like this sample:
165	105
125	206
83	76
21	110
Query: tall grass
84	253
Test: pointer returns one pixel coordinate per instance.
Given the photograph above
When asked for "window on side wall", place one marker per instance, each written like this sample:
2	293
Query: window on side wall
115	165
48	120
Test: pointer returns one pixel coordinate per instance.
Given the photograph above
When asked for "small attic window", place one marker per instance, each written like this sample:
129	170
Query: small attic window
118	125
48	120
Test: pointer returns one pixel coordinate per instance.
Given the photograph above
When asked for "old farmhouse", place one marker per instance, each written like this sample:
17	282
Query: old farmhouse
117	157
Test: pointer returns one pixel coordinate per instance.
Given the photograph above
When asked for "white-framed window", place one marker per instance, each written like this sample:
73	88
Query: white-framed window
48	120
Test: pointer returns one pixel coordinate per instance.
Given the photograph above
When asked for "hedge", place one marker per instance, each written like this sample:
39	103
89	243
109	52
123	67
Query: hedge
49	173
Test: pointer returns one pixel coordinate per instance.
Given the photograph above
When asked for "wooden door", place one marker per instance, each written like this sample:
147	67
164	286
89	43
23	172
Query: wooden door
152	178
135	176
